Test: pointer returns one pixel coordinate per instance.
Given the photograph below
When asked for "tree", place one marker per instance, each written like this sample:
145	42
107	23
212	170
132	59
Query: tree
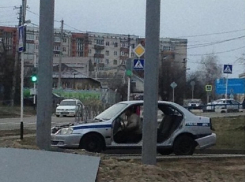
172	71
206	74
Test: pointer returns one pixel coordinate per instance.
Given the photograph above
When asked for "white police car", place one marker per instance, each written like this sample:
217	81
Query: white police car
179	131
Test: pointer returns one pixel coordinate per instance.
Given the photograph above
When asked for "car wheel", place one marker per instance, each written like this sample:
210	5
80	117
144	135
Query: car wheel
165	151
57	115
92	143
184	145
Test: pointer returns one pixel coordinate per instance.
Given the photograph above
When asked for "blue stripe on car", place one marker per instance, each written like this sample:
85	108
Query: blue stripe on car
91	126
197	124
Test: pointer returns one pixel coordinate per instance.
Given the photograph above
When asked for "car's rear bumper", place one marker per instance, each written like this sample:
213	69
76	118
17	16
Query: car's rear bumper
67	141
206	141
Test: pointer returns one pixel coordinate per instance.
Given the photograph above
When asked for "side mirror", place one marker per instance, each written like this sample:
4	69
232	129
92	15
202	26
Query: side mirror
58	104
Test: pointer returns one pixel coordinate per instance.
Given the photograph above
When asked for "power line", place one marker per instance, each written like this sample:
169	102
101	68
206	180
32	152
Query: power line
217	33
213	43
231	50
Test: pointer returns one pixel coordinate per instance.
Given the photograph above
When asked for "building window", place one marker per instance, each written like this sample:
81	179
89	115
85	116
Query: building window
115	53
90	51
133	46
64	40
115	62
29	36
99	41
115	44
107	53
107	61
122	53
56	39
107	43
64	49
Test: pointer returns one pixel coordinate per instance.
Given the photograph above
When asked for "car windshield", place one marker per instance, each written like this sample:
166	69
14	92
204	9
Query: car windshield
68	103
111	111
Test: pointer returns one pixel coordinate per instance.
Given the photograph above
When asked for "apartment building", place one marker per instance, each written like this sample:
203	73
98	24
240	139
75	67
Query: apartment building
106	51
8	39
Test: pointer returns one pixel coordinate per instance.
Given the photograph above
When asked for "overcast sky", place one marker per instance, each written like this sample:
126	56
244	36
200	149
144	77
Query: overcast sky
216	23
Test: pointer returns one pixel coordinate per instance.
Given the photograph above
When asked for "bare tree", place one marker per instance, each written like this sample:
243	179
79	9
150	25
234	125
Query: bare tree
206	74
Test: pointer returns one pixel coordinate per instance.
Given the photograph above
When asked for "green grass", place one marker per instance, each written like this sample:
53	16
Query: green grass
230	133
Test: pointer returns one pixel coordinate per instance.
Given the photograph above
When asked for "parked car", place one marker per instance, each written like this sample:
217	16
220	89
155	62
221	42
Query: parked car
179	131
224	105
195	104
69	107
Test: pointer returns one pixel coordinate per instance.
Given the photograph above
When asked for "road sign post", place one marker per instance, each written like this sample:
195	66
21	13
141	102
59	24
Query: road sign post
228	70
192	88
173	85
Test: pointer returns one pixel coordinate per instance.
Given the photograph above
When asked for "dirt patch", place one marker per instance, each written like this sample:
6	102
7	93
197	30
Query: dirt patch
178	170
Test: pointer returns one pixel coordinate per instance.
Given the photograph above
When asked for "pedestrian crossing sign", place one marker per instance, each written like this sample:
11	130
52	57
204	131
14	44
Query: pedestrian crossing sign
227	69
138	64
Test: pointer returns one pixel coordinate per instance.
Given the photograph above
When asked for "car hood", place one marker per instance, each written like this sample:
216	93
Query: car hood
104	124
66	107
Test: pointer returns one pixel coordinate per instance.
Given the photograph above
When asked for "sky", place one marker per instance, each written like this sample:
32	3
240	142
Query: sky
210	26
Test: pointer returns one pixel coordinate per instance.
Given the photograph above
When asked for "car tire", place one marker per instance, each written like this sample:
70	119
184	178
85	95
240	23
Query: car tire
184	145
165	151
92	143
57	115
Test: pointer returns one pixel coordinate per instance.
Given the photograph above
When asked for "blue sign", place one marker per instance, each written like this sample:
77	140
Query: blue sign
22	38
234	86
227	69
139	64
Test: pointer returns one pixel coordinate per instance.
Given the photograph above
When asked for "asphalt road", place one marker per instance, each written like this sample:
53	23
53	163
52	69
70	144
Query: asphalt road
30	122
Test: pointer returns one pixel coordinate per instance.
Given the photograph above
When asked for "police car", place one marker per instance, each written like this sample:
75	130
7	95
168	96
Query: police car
179	131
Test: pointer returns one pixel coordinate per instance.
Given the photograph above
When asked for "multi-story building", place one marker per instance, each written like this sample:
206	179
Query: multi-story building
106	51
8	39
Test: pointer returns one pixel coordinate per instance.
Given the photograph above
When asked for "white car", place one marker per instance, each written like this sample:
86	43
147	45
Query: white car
179	131
69	107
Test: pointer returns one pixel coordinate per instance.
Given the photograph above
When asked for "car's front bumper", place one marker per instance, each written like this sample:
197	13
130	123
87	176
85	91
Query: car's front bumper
206	141
65	113
67	141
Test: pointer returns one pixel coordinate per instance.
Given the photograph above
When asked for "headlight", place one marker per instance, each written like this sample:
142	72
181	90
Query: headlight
66	131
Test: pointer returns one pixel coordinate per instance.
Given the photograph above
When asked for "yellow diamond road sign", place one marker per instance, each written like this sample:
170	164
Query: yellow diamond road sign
139	50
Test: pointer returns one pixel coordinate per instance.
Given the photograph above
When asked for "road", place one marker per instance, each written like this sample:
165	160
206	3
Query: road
30	122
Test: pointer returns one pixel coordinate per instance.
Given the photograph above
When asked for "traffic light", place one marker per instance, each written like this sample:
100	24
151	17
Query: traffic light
34	78
34	75
129	72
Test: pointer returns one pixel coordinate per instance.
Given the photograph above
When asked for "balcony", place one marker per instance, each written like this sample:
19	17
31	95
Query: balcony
99	47
96	55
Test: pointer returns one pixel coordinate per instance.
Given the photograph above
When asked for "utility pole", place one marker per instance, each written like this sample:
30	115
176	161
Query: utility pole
45	71
151	78
16	61
22	71
61	53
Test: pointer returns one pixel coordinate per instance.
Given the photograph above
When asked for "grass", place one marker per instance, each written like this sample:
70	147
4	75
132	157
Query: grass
230	132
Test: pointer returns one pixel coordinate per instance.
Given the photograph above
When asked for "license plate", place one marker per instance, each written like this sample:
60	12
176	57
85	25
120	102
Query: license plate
65	113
